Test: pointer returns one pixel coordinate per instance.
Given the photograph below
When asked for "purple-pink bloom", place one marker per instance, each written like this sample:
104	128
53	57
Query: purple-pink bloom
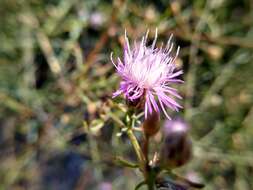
175	126
148	72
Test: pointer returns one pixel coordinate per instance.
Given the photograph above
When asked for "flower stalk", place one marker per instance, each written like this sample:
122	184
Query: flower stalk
147	74
142	155
137	148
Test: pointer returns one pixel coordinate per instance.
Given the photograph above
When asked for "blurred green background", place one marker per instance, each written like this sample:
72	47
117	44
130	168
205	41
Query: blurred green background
56	79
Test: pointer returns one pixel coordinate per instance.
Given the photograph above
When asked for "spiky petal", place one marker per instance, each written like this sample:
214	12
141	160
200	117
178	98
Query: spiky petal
147	72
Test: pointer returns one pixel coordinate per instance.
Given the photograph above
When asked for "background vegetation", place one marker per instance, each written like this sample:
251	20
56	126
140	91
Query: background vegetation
58	122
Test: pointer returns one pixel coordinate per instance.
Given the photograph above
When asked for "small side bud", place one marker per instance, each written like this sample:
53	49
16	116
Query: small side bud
177	147
151	124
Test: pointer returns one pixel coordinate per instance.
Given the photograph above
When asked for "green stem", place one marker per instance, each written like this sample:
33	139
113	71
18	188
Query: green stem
150	185
146	147
147	172
137	148
142	155
151	178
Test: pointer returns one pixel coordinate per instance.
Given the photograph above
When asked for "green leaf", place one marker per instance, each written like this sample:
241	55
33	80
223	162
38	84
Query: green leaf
126	163
140	185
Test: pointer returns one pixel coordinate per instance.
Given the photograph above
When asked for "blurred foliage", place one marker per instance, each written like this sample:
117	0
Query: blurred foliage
58	122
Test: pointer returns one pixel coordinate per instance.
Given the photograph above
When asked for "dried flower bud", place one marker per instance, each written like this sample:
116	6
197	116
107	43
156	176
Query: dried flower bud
151	124
176	149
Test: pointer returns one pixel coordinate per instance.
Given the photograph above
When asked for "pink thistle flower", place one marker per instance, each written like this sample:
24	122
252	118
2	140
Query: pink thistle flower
147	72
175	126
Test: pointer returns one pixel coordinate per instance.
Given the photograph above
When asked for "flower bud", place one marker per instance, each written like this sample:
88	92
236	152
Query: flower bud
151	124
176	149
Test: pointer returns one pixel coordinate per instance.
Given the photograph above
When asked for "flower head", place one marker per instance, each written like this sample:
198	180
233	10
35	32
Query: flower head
147	73
176	149
175	126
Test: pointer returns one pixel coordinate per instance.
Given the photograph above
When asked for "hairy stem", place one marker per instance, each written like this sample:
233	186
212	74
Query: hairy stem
137	148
